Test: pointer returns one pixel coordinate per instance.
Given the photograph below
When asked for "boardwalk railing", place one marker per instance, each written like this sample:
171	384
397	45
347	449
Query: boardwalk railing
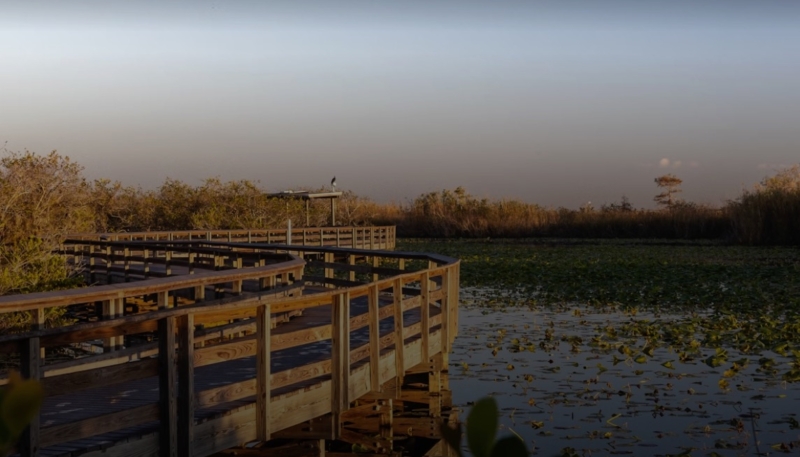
346	237
368	317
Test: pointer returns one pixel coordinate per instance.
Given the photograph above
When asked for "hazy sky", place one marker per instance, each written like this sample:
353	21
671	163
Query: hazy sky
557	103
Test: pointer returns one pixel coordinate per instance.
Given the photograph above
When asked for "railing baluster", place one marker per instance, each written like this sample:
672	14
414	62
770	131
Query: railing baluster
399	340
263	372
340	359
167	407
374	338
445	313
376	262
425	311
351	260
31	368
186	384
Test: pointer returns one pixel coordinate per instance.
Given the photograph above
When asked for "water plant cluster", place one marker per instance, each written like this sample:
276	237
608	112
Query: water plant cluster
620	348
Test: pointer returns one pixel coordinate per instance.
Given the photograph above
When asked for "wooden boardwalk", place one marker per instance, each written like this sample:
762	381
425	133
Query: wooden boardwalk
252	341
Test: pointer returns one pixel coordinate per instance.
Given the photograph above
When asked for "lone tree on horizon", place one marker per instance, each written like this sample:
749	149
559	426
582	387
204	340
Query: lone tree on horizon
671	185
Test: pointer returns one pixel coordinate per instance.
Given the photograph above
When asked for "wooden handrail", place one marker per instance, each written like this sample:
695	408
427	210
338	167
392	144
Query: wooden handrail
381	237
387	292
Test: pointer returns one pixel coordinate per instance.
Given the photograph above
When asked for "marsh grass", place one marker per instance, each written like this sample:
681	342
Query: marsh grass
767	214
448	214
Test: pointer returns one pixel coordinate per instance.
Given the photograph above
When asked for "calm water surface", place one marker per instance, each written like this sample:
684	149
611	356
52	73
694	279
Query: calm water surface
564	396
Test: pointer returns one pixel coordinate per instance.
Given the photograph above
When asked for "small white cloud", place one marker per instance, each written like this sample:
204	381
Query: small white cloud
676	164
694	164
663	163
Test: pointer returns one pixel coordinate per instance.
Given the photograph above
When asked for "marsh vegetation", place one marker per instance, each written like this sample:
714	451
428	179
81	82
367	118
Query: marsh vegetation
631	348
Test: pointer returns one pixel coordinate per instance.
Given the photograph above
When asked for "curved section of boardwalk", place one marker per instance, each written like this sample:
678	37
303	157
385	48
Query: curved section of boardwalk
249	340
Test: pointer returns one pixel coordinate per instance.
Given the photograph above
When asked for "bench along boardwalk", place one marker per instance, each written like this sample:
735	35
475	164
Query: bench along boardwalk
187	346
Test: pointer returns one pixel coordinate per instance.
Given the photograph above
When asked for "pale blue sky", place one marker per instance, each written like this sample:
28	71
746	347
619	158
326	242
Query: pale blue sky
556	103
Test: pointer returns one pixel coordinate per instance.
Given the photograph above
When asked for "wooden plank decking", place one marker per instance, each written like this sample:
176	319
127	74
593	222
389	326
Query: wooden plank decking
201	345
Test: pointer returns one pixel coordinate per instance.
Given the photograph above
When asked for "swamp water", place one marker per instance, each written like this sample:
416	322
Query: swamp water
578	380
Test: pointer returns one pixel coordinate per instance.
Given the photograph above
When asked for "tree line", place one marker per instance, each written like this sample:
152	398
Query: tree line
45	197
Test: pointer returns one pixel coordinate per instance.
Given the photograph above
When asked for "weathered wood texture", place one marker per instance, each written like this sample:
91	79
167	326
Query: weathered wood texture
343	343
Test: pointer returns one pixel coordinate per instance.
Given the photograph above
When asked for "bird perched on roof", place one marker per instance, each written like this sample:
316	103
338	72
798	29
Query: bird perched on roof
333	183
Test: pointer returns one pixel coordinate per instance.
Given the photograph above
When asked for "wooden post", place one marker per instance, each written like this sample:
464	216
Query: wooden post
376	262
112	308
328	258
340	359
374	339
435	386
399	340
31	368
186	384
167	407
351	260
445	313
108	264
456	294
425	311
167	260
163	300
338	240
372	238
263	372
127	254
146	266
431	266
199	293
92	265
401	264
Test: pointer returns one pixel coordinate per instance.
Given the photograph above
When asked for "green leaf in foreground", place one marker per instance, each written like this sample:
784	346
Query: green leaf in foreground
482	427
510	446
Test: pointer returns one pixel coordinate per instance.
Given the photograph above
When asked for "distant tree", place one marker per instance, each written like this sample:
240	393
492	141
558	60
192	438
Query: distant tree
785	180
671	185
624	206
42	199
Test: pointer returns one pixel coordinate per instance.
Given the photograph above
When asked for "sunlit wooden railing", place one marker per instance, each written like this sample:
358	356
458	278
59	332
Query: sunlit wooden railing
207	302
382	237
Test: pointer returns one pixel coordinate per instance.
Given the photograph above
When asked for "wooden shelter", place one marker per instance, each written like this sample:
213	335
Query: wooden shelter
308	196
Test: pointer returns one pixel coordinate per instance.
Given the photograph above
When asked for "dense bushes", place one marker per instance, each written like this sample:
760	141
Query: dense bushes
770	212
456	213
46	197
42	198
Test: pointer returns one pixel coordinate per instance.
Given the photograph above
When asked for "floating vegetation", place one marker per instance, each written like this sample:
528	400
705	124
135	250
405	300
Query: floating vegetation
637	349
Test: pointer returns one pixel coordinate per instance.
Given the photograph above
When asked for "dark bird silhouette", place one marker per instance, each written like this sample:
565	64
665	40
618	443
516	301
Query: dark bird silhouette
333	183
